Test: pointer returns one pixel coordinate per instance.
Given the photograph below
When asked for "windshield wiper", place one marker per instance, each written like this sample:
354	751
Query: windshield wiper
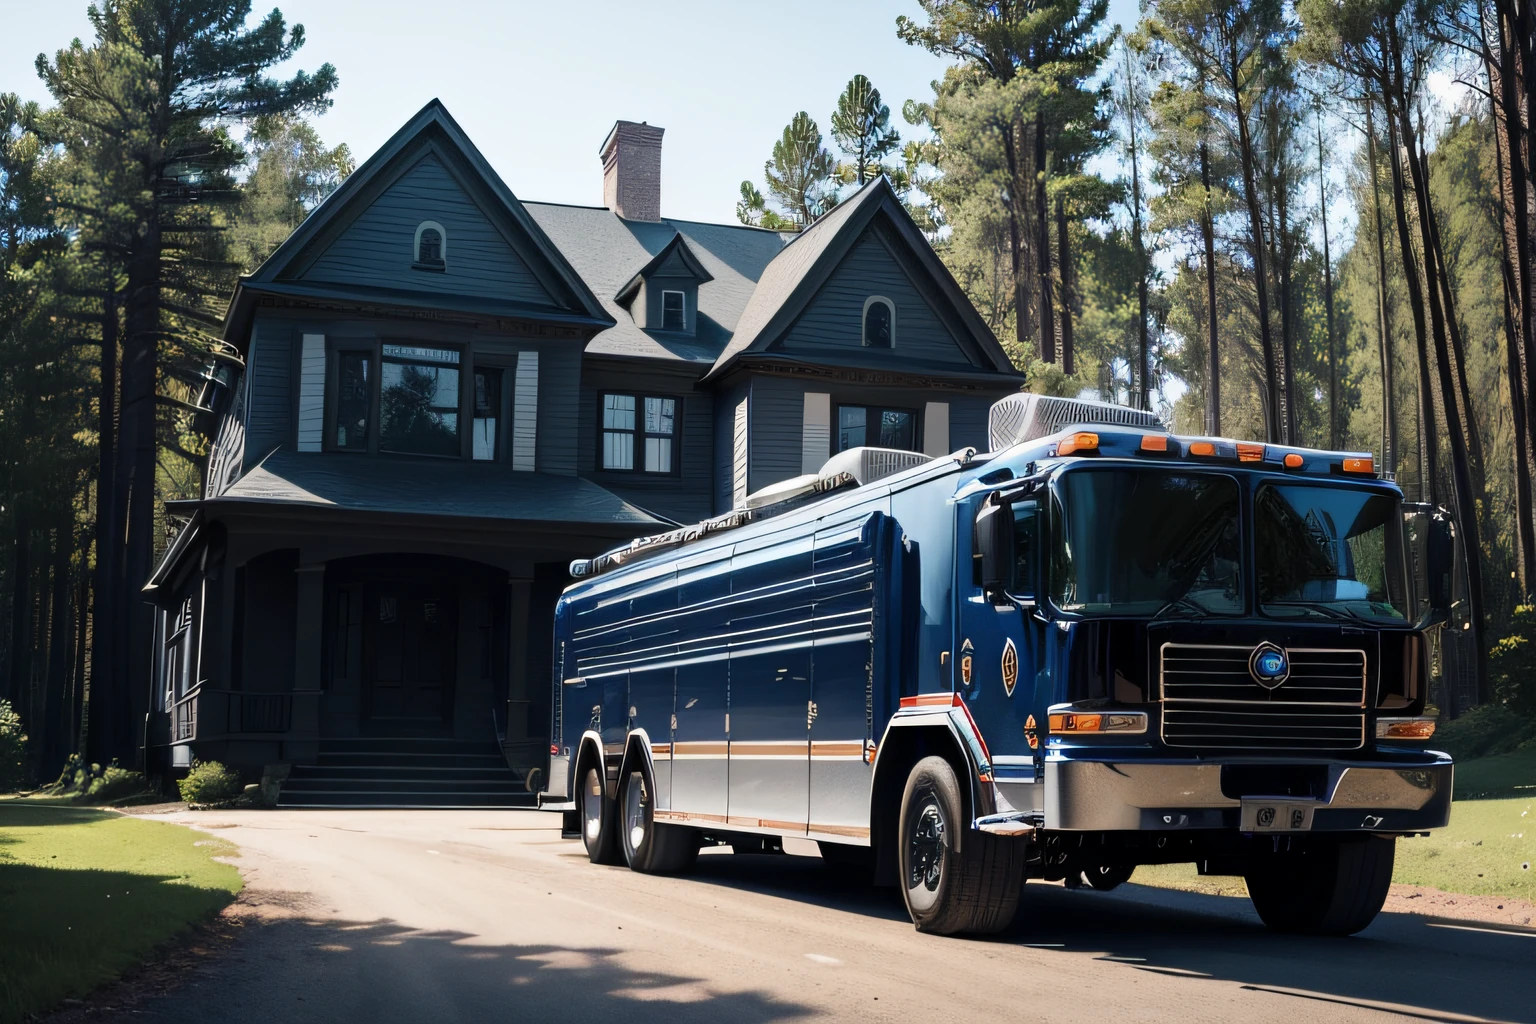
1184	603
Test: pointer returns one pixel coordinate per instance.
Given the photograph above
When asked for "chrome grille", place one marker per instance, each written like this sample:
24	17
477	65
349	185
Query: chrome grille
1210	700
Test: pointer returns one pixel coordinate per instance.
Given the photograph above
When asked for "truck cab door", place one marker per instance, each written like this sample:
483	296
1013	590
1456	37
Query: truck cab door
998	637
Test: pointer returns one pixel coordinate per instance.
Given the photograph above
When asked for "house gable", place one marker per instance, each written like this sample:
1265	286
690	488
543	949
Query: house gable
810	302
362	243
833	320
378	248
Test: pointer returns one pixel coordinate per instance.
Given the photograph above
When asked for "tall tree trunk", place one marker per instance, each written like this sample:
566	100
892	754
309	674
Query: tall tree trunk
1272	371
1333	355
1456	426
1212	352
1068	286
104	651
1429	457
1389	433
19	672
55	739
1502	76
1285	257
1017	229
1043	246
1143	380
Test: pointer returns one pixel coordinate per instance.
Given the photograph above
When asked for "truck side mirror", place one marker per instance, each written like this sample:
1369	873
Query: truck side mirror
994	543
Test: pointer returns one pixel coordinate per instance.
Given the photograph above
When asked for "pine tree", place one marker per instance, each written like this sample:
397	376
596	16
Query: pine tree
861	126
800	173
145	111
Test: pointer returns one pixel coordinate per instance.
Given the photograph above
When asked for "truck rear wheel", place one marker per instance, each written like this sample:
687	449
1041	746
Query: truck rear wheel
1328	887
597	818
649	846
973	888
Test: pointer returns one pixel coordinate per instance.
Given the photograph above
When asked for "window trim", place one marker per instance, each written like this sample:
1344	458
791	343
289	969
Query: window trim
683	299
640	434
441	263
864	322
873	407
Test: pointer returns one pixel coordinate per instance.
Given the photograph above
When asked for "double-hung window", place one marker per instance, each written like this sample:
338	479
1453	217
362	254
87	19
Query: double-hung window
354	400
419	400
674	311
859	425
639	433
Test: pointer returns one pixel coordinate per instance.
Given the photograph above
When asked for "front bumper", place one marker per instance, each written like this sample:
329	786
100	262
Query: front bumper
1407	794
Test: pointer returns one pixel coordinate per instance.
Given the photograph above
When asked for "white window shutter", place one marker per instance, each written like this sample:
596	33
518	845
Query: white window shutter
816	432
312	394
936	429
739	456
525	413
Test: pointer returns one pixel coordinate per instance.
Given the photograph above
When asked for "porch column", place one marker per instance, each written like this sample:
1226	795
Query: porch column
302	743
517	658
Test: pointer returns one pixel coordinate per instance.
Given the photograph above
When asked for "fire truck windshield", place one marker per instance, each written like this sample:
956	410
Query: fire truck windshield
1329	552
1147	541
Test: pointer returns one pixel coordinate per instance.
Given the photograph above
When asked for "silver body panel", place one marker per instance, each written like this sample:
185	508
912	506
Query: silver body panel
1084	795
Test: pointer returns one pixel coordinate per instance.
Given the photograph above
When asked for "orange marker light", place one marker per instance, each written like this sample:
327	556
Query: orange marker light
1202	448
1293	461
1076	723
1154	442
1250	452
1406	729
1366	465
1079	442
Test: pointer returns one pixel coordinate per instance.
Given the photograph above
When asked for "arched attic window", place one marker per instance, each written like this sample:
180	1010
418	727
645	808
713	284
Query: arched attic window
431	246
879	322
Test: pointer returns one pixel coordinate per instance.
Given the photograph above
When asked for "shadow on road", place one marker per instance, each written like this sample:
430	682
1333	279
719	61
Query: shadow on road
298	969
1411	964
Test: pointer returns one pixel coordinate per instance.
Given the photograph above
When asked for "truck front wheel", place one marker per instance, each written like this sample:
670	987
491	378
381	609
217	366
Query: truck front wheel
1326	887
973	888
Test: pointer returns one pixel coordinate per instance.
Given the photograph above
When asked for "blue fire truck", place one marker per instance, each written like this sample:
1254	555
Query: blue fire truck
1100	645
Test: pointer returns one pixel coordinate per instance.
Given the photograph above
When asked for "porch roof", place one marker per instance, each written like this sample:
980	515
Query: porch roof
453	489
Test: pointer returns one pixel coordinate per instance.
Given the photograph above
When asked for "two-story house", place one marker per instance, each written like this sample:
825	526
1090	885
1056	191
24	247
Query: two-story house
448	393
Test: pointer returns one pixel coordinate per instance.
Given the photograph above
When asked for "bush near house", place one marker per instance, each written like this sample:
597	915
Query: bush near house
209	782
83	783
13	750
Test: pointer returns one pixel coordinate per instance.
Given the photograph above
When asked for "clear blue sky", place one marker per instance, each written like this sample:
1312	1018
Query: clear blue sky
537	85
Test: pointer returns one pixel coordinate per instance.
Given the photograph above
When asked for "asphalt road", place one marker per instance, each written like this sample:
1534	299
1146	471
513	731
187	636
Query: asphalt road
480	917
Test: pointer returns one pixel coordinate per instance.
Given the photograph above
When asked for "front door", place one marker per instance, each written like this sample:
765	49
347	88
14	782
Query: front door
409	653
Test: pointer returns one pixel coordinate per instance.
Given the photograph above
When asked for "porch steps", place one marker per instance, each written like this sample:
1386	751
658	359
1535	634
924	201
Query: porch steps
405	772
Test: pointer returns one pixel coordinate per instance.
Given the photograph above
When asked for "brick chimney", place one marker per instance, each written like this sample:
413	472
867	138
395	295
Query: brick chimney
632	171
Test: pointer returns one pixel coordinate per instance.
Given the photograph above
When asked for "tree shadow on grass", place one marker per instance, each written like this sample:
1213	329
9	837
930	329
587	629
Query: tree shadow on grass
65	931
299	969
27	814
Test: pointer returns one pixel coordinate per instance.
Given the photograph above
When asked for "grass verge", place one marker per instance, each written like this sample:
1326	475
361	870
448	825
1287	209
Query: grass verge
85	895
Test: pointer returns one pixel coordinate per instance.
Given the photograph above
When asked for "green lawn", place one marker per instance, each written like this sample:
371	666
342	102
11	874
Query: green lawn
1512	774
85	895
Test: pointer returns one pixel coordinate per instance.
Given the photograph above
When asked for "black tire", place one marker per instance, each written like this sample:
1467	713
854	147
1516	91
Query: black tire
597	818
1104	877
652	847
1326	887
974	888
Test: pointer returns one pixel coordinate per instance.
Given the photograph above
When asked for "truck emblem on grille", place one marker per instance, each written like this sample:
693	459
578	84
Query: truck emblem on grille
1010	666
1268	665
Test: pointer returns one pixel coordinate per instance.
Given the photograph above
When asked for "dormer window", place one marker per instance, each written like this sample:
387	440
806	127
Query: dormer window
431	246
674	311
879	322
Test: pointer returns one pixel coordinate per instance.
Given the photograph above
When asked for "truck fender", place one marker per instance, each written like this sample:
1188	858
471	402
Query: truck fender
637	751
937	727
589	750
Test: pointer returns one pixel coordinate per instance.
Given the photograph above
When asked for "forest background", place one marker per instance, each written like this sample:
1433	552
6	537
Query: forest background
1304	221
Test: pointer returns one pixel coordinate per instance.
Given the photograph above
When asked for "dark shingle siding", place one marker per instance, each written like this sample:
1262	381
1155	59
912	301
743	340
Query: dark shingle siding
378	248
835	317
270	418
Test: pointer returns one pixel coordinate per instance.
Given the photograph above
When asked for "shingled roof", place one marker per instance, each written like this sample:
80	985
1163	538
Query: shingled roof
608	251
